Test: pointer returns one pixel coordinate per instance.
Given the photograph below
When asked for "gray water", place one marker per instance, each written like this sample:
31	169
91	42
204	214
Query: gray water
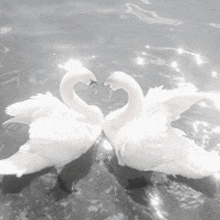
158	43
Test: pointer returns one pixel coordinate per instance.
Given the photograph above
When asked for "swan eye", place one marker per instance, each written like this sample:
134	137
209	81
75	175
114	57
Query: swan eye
93	83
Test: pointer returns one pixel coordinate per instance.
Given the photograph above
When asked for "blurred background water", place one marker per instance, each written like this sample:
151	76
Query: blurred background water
160	42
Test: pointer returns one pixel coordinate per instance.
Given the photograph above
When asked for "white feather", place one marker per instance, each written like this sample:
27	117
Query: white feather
143	137
59	132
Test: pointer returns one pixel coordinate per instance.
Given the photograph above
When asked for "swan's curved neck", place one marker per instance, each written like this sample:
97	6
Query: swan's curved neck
135	100
73	101
130	111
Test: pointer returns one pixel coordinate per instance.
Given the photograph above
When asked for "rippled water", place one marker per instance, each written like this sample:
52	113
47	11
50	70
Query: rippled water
158	43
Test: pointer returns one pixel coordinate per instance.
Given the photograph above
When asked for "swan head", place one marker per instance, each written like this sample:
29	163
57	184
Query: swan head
87	77
117	80
76	71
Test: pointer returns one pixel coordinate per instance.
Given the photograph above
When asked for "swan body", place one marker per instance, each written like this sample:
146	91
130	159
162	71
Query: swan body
59	132
143	137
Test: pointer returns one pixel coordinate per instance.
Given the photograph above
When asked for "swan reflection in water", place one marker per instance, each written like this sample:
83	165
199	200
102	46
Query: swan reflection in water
59	132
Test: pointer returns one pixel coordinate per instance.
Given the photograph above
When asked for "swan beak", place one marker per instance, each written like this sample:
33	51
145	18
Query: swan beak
93	83
110	93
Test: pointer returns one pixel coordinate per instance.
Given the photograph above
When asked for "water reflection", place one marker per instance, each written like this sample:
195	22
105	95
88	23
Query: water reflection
174	65
177	63
149	17
183	65
5	30
197	57
140	61
5	50
215	25
186	196
156	204
214	74
9	77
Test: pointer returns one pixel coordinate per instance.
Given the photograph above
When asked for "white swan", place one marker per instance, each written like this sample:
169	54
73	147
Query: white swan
59	133
143	137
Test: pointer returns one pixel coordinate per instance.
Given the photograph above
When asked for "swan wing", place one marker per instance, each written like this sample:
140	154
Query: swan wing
39	105
22	163
53	142
172	102
28	106
66	138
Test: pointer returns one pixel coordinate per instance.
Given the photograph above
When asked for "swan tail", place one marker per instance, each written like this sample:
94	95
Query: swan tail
215	98
180	99
180	104
26	108
22	163
21	108
194	163
17	120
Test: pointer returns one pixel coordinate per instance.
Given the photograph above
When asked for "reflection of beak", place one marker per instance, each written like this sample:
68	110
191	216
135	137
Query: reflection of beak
94	86
110	92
